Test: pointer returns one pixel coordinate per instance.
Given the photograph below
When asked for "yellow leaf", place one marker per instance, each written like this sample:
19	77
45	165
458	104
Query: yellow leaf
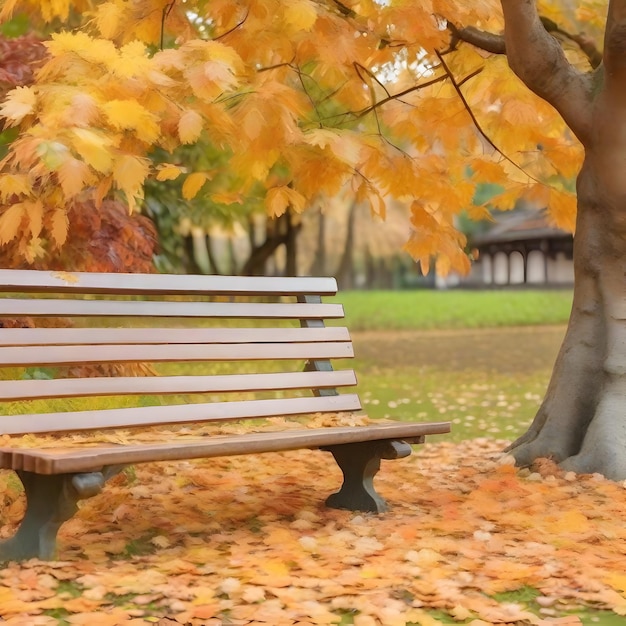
278	199
129	174
19	103
130	115
507	199
59	226
193	183
14	184
10	222
190	126
488	171
227	198
66	277
368	193
538	194
102	189
94	148
133	61
345	145
34	213
562	208
570	522
274	567
301	14
276	202
253	123
108	19
74	176
96	51
519	113
168	171
212	67
83	110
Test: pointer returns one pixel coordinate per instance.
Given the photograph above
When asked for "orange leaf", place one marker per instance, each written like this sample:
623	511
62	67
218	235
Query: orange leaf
10	222
193	183
190	126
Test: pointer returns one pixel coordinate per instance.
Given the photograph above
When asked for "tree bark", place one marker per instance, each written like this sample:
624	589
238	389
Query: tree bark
318	267
345	271
291	245
582	420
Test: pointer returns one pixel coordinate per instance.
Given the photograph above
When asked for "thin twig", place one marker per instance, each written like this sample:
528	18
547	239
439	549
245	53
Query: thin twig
275	67
360	68
167	9
477	124
400	94
298	71
234	28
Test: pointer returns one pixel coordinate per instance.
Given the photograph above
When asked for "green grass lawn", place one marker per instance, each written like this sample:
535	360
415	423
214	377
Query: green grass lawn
427	309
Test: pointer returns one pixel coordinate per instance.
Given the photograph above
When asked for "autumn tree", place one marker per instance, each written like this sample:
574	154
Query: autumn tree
581	421
384	101
103	238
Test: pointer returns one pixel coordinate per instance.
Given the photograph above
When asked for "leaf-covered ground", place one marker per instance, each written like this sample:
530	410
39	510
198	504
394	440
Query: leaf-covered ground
247	540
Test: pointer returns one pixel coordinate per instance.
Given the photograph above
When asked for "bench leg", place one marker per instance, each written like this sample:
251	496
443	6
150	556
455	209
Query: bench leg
359	463
50	501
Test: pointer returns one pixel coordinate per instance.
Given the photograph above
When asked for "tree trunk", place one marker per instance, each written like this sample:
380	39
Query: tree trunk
345	271
280	231
318	267
582	420
189	261
291	245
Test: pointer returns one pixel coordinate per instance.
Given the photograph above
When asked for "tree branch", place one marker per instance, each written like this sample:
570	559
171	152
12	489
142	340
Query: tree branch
539	61
234	28
490	42
343	9
584	42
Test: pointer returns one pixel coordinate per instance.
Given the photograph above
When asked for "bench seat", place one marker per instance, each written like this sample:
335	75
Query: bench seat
81	459
207	362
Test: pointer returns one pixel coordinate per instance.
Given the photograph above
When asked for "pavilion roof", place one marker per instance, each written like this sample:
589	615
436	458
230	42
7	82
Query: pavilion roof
520	225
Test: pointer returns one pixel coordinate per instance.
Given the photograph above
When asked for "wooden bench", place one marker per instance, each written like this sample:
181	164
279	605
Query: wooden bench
262	340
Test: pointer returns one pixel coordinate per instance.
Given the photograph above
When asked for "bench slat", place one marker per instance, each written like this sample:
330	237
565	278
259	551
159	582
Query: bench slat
161	284
136	385
94	336
143	308
72	355
174	414
55	461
